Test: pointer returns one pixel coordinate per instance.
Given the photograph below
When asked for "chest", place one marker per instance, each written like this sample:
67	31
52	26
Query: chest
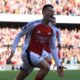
41	30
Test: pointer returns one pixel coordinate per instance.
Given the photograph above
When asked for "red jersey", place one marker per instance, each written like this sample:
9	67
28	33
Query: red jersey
41	35
47	47
56	36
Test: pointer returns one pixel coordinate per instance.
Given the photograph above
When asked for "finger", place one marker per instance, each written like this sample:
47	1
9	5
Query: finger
9	62
64	67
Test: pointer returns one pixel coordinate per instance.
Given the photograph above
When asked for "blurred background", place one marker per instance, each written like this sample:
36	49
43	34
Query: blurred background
16	13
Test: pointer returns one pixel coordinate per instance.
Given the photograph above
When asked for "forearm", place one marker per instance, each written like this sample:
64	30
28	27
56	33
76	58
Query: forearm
55	57
9	58
11	55
16	41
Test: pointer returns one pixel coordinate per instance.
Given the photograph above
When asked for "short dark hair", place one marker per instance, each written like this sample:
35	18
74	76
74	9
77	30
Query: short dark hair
47	5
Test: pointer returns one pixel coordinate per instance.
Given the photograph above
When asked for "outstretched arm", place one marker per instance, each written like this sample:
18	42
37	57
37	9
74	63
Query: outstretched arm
14	46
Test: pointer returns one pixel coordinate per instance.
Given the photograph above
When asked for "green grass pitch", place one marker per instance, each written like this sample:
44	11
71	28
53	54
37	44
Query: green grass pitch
69	75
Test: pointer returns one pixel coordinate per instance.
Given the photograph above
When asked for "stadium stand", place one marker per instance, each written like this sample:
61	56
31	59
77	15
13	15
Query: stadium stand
62	7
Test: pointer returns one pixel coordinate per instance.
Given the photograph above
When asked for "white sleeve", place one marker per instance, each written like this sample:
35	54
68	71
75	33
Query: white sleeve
59	36
16	41
55	55
24	31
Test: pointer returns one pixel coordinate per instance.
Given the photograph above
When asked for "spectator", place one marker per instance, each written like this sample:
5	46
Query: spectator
62	7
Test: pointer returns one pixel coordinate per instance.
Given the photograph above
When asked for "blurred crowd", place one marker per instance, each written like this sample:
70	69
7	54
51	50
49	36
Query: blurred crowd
7	36
70	52
61	7
71	46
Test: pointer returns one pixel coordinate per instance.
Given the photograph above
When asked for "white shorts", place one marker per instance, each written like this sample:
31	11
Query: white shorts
45	54
34	58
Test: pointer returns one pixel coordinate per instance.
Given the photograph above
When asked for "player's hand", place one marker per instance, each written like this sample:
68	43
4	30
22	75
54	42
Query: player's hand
60	71
9	58
59	46
8	61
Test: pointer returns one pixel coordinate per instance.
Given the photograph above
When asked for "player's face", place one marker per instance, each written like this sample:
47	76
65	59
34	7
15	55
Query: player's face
48	13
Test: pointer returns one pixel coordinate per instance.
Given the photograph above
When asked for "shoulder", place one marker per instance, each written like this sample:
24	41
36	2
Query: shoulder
34	22
31	24
57	29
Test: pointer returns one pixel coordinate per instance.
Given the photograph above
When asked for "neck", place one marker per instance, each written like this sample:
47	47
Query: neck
45	22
